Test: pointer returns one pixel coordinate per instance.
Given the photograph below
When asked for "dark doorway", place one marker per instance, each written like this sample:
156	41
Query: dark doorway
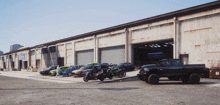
185	58
4	65
152	52
20	62
61	61
37	63
12	65
25	64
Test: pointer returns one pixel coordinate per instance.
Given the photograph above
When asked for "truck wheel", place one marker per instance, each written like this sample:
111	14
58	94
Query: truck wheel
185	79
153	79
194	78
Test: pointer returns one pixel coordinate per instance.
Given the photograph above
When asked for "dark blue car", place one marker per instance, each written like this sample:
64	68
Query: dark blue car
68	72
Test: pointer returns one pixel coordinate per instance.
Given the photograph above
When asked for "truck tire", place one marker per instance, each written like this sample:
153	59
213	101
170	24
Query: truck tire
194	78
185	79
153	79
174	78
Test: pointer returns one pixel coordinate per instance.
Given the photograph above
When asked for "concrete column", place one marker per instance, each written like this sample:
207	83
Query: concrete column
176	39
41	58
96	49
74	53
130	48
126	45
65	56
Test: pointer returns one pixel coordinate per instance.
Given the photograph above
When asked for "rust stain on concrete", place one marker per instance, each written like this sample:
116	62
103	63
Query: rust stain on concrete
196	30
142	39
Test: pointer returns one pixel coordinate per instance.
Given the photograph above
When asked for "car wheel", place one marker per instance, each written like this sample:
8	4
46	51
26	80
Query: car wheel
185	79
194	78
153	79
69	74
85	78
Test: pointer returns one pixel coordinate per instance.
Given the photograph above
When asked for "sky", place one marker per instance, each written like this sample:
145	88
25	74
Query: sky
33	22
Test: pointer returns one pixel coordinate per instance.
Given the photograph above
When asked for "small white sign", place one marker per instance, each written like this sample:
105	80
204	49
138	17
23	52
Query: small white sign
216	73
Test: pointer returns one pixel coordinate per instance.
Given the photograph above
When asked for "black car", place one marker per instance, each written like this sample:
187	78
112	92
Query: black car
47	72
126	66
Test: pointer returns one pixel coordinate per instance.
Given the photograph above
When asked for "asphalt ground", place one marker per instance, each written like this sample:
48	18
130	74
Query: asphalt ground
125	91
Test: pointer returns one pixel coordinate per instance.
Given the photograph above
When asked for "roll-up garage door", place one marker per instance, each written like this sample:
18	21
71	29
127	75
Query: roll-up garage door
113	55
84	57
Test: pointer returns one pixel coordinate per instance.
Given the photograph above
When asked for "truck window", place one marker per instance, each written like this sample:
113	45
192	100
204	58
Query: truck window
167	63
176	62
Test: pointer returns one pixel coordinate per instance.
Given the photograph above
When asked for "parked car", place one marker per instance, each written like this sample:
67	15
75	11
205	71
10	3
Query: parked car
68	72
126	66
79	71
173	69
54	72
47	71
112	66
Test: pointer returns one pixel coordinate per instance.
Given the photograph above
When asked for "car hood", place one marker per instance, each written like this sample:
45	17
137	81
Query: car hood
78	70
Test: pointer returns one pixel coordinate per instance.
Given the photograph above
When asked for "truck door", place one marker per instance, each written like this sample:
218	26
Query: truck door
165	67
176	68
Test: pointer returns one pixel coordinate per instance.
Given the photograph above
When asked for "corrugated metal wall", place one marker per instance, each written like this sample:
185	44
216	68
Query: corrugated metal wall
113	55
84	57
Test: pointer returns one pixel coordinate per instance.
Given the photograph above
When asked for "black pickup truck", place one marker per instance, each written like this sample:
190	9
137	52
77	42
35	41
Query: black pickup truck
173	69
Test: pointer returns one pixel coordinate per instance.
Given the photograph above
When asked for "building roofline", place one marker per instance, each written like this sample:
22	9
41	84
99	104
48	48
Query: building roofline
178	13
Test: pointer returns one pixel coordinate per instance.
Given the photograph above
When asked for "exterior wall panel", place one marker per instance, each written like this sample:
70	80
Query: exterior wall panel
61	50
112	40
84	44
200	39
152	33
70	56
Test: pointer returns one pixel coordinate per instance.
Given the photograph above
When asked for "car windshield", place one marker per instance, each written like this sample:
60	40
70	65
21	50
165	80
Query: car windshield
121	64
86	66
70	67
50	68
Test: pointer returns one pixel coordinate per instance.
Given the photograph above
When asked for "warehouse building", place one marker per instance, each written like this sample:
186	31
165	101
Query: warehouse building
191	34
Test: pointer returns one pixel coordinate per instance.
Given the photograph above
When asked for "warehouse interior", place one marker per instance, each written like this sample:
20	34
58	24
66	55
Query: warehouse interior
152	52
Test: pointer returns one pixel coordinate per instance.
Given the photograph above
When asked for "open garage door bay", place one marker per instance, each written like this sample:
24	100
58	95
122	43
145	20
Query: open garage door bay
152	52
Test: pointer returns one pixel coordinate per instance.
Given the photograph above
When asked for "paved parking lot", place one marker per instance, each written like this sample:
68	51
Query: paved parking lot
125	91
